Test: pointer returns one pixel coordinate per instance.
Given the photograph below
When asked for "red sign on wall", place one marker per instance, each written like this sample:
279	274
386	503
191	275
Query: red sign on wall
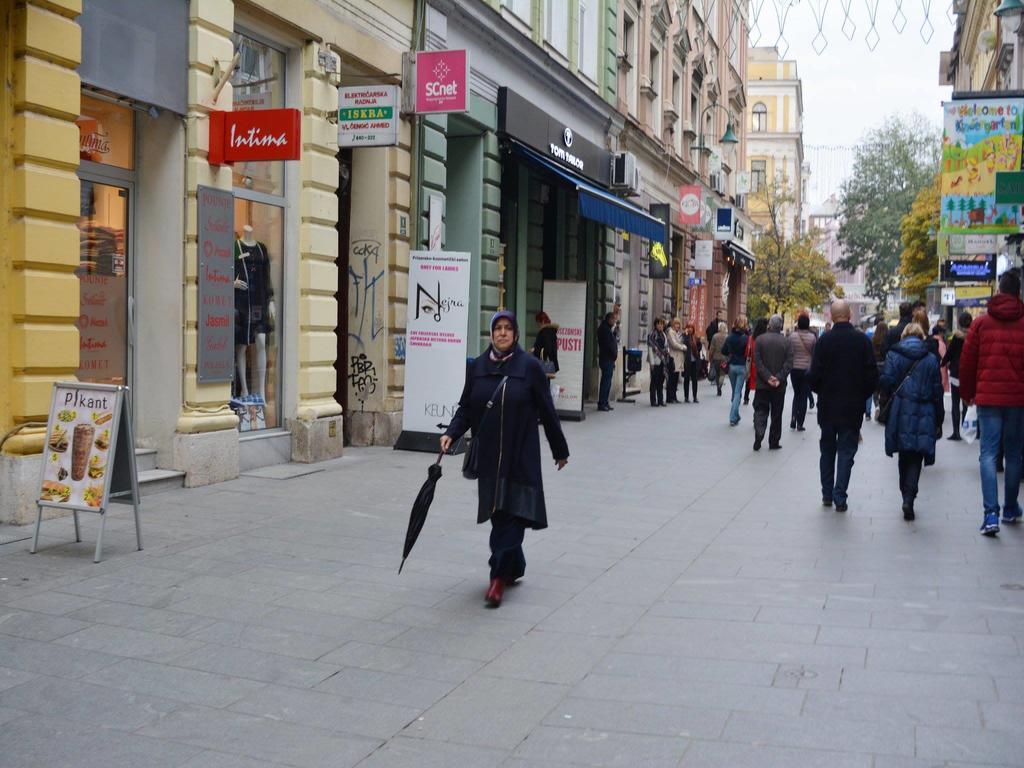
442	81
258	134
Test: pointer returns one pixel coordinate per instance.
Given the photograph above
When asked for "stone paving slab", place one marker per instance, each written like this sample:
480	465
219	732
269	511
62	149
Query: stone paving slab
692	605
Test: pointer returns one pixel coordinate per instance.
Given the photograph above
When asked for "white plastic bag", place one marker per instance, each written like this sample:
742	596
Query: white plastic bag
969	427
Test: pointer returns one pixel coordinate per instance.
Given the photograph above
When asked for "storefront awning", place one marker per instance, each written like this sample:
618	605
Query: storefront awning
597	204
741	254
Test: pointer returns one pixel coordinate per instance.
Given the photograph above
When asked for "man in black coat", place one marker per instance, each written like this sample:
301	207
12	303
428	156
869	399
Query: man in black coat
607	354
894	334
712	329
844	374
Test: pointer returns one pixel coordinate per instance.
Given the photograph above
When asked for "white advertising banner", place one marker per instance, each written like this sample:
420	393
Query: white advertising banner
565	303
435	339
703	254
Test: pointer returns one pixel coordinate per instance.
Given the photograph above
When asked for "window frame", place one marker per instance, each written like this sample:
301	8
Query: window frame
759	118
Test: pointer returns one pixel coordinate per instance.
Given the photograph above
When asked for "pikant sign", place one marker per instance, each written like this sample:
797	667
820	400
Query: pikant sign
368	116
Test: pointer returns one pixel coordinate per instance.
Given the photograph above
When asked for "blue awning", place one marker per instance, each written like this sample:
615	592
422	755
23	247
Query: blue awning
601	206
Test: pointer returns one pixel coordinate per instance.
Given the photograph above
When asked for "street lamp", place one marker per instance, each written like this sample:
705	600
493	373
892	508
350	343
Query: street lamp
729	137
1009	8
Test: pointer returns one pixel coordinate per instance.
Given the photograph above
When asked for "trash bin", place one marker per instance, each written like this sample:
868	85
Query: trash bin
634	359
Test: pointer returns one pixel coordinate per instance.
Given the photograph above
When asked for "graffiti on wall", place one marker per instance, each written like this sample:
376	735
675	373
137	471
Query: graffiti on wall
366	270
362	377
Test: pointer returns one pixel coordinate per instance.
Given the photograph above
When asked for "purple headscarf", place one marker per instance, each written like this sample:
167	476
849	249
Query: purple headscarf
506	315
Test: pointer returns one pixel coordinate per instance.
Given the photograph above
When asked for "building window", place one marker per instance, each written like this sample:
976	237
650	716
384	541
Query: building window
655	75
520	8
677	105
589	35
758	175
629	52
760	122
556	24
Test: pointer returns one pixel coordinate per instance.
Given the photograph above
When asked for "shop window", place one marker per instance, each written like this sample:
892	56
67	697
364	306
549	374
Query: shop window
103	283
259	240
258	83
760	122
106	133
556	24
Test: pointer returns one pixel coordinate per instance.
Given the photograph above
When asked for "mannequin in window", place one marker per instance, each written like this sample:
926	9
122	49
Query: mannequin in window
254	310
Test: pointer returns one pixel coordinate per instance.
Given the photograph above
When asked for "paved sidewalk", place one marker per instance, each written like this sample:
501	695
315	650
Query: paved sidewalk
691	605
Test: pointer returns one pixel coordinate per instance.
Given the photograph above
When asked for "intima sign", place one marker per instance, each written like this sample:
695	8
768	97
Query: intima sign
259	134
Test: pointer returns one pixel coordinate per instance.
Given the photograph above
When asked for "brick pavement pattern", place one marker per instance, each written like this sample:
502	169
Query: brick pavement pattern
692	605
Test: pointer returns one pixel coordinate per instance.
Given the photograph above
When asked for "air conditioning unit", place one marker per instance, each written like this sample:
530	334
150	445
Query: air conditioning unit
625	174
717	182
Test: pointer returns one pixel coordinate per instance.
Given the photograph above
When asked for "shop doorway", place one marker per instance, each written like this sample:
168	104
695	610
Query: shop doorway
342	262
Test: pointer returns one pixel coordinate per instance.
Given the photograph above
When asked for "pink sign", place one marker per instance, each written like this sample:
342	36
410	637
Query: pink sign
442	81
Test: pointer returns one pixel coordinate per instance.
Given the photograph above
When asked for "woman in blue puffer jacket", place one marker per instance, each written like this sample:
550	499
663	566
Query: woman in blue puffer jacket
911	378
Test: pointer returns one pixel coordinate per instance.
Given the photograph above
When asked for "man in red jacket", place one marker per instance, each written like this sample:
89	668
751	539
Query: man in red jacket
992	377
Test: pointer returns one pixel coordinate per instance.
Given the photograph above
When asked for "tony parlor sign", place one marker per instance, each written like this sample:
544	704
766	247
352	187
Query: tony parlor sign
89	456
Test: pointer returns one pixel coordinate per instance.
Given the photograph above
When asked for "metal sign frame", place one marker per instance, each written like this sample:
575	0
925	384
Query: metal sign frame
121	482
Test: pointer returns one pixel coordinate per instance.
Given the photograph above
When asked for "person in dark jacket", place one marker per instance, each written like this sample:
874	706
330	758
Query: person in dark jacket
659	358
734	350
952	362
691	362
844	373
892	338
992	377
509	486
712	329
607	354
773	358
912	381
545	346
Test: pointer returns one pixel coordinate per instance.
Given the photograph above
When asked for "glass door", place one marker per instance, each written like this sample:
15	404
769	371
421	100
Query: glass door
104	288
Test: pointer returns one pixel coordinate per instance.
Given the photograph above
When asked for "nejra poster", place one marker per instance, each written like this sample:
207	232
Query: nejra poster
981	137
435	339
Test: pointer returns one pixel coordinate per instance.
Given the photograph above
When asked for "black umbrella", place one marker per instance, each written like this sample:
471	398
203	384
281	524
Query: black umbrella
420	507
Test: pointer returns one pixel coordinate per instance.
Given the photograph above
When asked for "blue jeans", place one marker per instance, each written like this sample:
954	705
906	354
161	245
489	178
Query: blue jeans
838	447
605	389
738	380
1000	426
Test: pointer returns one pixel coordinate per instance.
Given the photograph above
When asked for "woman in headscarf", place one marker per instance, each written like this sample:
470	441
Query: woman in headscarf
505	395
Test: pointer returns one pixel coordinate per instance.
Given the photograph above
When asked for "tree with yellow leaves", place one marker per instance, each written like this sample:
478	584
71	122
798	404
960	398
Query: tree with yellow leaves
919	261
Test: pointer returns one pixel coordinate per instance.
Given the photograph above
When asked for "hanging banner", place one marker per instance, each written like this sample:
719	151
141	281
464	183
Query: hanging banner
215	278
565	302
442	81
698	305
981	137
689	205
703	254
368	115
436	334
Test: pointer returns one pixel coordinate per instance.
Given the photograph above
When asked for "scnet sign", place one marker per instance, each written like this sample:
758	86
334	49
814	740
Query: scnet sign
442	81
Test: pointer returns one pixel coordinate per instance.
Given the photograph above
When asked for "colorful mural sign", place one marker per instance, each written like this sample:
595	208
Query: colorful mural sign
981	137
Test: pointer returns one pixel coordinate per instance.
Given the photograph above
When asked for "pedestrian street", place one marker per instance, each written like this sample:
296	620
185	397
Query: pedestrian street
691	605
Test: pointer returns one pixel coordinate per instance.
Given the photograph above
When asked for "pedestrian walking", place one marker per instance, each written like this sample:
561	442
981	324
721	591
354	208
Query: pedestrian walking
716	358
992	377
691	373
801	342
879	348
951	361
713	328
735	352
939	337
677	352
545	345
761	326
607	354
773	357
657	358
511	386
912	384
844	373
894	334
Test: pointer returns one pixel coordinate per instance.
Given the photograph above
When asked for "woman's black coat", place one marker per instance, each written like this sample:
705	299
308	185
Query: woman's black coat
545	347
509	448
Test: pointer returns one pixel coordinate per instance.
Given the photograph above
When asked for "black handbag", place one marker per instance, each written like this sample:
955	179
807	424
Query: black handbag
885	407
471	461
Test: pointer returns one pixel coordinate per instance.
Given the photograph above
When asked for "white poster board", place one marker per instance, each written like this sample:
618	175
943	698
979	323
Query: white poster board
565	302
703	254
436	338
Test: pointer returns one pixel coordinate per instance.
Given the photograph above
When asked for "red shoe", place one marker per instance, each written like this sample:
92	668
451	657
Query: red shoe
495	593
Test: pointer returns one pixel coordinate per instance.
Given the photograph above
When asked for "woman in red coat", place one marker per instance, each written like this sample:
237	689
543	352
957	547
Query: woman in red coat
761	326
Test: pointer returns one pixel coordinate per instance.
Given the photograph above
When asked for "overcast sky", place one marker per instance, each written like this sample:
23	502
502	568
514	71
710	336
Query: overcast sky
849	88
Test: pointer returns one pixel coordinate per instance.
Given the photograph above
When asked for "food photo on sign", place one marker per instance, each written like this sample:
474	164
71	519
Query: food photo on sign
78	442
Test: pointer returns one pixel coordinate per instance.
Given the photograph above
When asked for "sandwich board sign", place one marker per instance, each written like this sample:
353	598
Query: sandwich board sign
89	455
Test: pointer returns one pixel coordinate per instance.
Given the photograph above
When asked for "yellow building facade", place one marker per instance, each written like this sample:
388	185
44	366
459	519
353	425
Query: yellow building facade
100	188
